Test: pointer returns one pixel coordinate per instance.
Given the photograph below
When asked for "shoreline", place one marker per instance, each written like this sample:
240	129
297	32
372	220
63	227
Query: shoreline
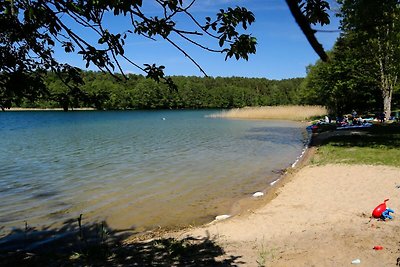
236	204
250	203
49	109
244	205
239	207
315	215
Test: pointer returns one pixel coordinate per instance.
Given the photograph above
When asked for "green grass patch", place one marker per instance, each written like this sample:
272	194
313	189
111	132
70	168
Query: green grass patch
378	145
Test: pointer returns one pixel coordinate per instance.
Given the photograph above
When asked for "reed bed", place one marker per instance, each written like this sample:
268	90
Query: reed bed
297	113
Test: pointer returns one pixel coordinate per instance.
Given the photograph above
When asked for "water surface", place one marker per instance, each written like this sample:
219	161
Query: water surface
139	169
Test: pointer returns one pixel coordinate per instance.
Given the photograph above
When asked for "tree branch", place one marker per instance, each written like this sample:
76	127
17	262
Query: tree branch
198	44
306	28
187	55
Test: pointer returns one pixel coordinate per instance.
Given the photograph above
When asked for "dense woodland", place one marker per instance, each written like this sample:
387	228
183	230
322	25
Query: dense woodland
103	91
321	86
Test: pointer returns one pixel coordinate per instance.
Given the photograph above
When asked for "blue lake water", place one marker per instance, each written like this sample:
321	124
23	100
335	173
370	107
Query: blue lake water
139	169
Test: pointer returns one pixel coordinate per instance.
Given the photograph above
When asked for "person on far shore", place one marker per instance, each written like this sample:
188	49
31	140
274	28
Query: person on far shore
382	117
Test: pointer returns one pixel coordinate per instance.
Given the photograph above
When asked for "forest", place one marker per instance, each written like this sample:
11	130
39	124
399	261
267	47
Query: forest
322	86
103	91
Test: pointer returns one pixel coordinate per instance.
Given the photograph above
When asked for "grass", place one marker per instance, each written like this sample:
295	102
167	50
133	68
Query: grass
378	145
298	113
264	255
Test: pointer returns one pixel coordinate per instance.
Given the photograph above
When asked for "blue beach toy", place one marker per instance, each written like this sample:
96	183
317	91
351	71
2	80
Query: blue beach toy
386	214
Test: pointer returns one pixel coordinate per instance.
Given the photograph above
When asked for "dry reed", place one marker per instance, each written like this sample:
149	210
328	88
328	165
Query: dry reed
297	113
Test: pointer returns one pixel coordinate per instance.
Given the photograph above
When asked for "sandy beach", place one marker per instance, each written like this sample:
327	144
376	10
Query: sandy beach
320	216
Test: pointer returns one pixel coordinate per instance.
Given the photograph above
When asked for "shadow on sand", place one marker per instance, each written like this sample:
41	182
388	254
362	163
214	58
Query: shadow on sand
74	244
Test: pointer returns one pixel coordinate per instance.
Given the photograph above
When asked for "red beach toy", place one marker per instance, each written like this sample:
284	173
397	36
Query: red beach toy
377	212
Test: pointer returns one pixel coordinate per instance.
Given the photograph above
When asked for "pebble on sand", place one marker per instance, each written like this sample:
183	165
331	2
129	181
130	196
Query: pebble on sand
222	217
258	194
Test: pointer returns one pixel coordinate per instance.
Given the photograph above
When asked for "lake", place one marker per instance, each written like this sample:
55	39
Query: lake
136	169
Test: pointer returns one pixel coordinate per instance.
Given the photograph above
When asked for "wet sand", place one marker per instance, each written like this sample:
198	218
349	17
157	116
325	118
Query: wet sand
319	216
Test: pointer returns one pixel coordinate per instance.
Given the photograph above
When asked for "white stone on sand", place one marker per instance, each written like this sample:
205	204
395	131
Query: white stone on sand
222	217
258	194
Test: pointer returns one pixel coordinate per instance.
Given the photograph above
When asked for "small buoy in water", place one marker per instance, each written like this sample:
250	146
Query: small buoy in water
222	217
163	119
258	194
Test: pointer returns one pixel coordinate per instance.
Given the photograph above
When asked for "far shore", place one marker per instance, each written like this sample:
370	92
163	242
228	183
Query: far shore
48	109
290	112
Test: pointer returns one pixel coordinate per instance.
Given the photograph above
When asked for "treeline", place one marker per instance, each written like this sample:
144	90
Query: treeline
363	70
104	92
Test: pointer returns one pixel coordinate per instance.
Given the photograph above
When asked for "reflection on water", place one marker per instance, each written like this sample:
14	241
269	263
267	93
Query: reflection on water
134	168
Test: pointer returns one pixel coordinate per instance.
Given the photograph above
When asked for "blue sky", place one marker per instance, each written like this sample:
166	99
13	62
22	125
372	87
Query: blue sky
282	50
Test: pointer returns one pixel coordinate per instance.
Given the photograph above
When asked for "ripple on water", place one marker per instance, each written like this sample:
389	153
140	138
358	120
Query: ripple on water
130	169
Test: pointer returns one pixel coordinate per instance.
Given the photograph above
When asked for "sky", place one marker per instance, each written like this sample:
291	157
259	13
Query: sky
282	49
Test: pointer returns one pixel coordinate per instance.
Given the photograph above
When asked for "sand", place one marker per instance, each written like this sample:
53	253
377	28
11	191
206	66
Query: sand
319	217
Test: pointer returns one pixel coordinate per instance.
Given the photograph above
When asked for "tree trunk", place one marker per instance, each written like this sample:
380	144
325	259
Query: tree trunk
65	105
387	85
387	101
